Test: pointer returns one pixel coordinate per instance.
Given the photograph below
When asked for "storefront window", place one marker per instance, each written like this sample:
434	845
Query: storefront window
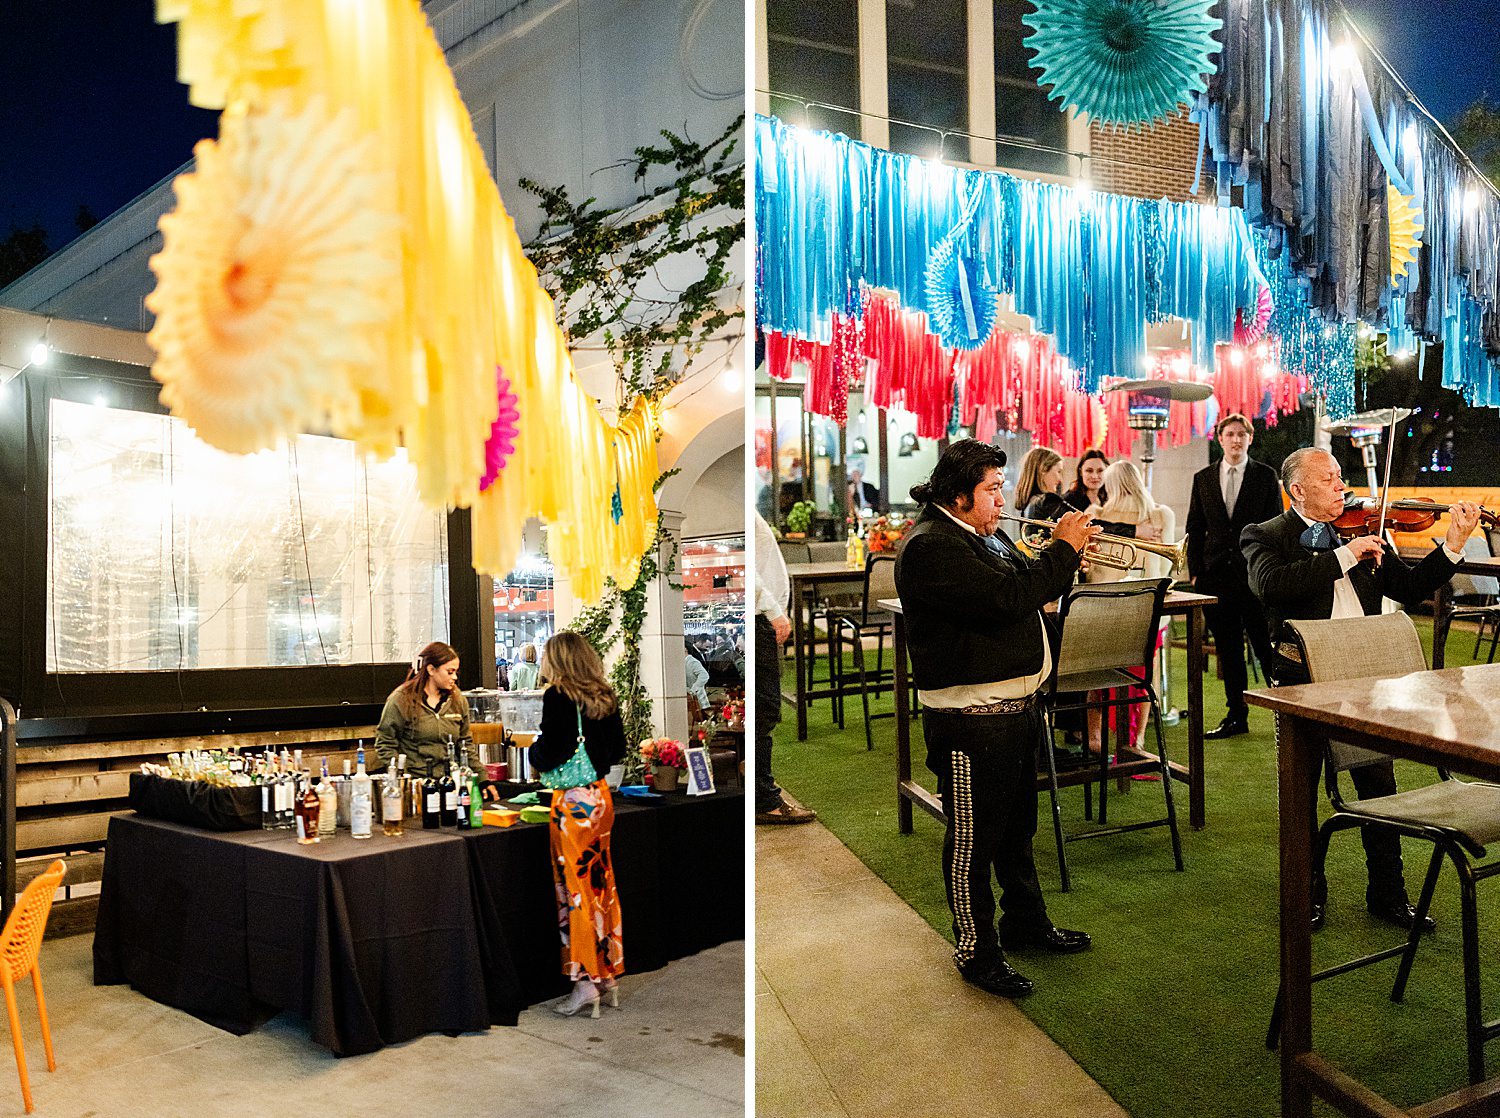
1022	108
927	47
713	606
166	554
523	609
812	55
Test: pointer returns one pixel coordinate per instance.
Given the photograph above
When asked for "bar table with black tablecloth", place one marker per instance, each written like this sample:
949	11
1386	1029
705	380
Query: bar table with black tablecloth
382	940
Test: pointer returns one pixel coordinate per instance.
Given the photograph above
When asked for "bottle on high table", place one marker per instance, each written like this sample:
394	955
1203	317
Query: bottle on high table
432	802
390	801
308	810
361	807
267	796
476	801
465	802
284	792
448	807
328	804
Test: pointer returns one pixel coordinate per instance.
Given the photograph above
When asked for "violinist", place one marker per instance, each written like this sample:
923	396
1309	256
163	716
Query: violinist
1299	569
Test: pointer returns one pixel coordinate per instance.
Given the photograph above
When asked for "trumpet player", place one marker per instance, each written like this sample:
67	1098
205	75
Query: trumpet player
980	657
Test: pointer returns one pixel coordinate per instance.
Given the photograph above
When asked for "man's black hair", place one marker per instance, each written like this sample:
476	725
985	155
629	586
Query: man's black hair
959	472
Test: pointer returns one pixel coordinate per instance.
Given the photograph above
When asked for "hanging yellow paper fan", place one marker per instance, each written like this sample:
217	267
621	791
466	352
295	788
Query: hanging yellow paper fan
278	263
1406	229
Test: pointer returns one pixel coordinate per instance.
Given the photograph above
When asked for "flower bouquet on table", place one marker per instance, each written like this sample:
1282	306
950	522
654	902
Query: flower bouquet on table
886	532
733	711
665	759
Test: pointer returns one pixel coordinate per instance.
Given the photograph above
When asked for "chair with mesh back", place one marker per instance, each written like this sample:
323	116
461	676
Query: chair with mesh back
1478	594
830	596
858	623
20	943
1108	643
1459	818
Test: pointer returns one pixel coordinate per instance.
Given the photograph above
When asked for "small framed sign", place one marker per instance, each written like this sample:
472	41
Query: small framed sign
700	772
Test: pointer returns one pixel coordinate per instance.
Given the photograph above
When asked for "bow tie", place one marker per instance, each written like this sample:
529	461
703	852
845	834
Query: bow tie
1319	537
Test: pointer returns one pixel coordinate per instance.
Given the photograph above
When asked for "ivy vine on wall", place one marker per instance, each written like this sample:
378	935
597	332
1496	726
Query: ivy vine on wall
653	282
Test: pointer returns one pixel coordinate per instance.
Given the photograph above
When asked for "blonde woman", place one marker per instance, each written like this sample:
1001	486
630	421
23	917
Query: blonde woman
578	707
1039	486
1130	504
523	672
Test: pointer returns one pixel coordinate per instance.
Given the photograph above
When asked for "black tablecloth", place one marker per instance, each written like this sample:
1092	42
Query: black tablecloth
383	940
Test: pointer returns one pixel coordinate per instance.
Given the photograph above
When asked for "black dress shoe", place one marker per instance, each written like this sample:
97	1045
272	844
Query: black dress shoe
1229	728
1059	941
1401	914
1000	979
1319	913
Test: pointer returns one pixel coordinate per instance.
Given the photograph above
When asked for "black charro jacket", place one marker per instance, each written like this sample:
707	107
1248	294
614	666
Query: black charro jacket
1213	536
971	614
1295	583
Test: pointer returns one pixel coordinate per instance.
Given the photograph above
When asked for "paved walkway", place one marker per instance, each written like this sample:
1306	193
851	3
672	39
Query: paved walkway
860	1014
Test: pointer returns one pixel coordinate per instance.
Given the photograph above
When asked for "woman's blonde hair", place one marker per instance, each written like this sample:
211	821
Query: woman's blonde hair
528	652
1127	490
1034	466
570	664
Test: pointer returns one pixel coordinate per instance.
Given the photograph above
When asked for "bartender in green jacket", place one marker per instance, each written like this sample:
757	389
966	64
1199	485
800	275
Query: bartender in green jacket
425	713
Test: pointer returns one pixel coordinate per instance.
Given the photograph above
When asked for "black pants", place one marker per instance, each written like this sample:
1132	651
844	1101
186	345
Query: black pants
1385	882
767	712
986	769
1237	613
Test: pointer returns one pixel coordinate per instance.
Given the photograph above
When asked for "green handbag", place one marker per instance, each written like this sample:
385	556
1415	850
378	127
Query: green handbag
576	771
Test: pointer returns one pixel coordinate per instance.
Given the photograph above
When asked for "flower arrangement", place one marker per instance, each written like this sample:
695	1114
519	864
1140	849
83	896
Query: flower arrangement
665	752
885	532
733	710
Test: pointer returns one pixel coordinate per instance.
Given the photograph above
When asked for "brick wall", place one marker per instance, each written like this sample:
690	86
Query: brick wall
1156	162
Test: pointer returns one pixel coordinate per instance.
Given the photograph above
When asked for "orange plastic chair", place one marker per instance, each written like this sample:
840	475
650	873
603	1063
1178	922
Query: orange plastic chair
20	942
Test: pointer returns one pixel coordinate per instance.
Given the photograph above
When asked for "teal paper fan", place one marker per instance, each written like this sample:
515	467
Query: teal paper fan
960	311
1123	62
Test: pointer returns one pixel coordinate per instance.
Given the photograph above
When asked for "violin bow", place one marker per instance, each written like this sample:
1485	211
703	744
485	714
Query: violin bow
1385	483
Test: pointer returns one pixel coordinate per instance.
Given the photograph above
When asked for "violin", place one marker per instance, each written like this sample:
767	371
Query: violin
1361	517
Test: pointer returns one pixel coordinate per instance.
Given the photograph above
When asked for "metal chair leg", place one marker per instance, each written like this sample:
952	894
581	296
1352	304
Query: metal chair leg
1057	827
1166	780
1414	937
864	691
1473	1021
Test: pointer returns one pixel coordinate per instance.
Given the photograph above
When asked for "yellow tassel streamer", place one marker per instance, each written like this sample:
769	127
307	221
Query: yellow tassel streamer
418	202
1406	229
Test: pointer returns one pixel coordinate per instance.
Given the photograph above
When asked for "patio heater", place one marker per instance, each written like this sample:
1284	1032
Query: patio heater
1364	431
1148	410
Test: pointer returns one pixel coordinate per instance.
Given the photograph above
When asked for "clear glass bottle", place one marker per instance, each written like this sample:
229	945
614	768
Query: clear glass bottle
361	806
328	804
390	801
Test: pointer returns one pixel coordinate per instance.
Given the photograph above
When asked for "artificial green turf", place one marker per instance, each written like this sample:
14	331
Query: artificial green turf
1168	1012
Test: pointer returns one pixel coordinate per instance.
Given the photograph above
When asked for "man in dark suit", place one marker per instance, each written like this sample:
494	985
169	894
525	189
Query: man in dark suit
862	495
1227	496
1299	570
979	655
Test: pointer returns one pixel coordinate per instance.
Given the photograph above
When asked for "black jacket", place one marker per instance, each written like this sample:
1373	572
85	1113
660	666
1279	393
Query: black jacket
1213	536
604	738
1295	583
971	615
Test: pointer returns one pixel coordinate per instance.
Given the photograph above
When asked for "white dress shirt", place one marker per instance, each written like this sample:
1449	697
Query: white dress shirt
773	586
982	694
1346	601
1224	468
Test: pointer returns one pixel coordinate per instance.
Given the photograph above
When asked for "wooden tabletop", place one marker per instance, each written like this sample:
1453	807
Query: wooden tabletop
1450	715
833	568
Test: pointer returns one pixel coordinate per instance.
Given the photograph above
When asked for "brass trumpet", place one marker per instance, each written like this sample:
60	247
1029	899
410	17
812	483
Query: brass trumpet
1119	552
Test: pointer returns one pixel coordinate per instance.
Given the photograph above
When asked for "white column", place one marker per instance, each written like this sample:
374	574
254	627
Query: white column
662	671
762	65
873	80
982	81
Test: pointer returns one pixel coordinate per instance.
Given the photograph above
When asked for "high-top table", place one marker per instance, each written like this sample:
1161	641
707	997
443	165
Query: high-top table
1444	718
1442	604
806	578
1178	603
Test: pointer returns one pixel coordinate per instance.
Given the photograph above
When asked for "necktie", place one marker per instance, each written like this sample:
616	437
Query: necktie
1232	489
1318	537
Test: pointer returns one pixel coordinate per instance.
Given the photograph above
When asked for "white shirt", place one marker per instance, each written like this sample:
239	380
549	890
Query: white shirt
697	680
1346	601
773	586
1224	479
982	694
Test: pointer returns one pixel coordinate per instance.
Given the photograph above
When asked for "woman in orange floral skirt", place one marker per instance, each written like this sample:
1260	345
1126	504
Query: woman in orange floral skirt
578	703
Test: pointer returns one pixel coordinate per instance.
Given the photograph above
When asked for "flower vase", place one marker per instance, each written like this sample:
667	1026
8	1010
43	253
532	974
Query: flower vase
666	778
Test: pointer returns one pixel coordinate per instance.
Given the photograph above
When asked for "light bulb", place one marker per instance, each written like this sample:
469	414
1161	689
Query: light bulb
39	353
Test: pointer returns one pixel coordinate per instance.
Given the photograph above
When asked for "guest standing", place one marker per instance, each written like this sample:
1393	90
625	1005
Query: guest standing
523	673
579	706
772	628
980	656
1227	496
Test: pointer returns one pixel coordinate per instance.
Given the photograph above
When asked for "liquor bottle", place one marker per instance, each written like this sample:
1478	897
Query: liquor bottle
465	802
449	791
328	804
308	810
390	801
267	798
432	802
361	807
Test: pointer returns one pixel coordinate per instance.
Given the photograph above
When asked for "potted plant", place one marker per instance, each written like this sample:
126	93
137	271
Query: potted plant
667	759
799	520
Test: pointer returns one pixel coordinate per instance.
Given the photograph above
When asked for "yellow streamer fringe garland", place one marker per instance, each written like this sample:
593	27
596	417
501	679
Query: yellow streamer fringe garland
465	299
1406	229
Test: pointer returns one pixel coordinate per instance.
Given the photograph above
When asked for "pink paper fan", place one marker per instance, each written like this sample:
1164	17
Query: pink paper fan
1251	332
502	441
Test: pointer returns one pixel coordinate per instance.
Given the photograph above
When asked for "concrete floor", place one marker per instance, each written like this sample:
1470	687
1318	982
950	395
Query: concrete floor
675	1047
859	1011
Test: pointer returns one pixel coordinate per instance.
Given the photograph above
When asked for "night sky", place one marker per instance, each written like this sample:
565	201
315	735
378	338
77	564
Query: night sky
91	113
